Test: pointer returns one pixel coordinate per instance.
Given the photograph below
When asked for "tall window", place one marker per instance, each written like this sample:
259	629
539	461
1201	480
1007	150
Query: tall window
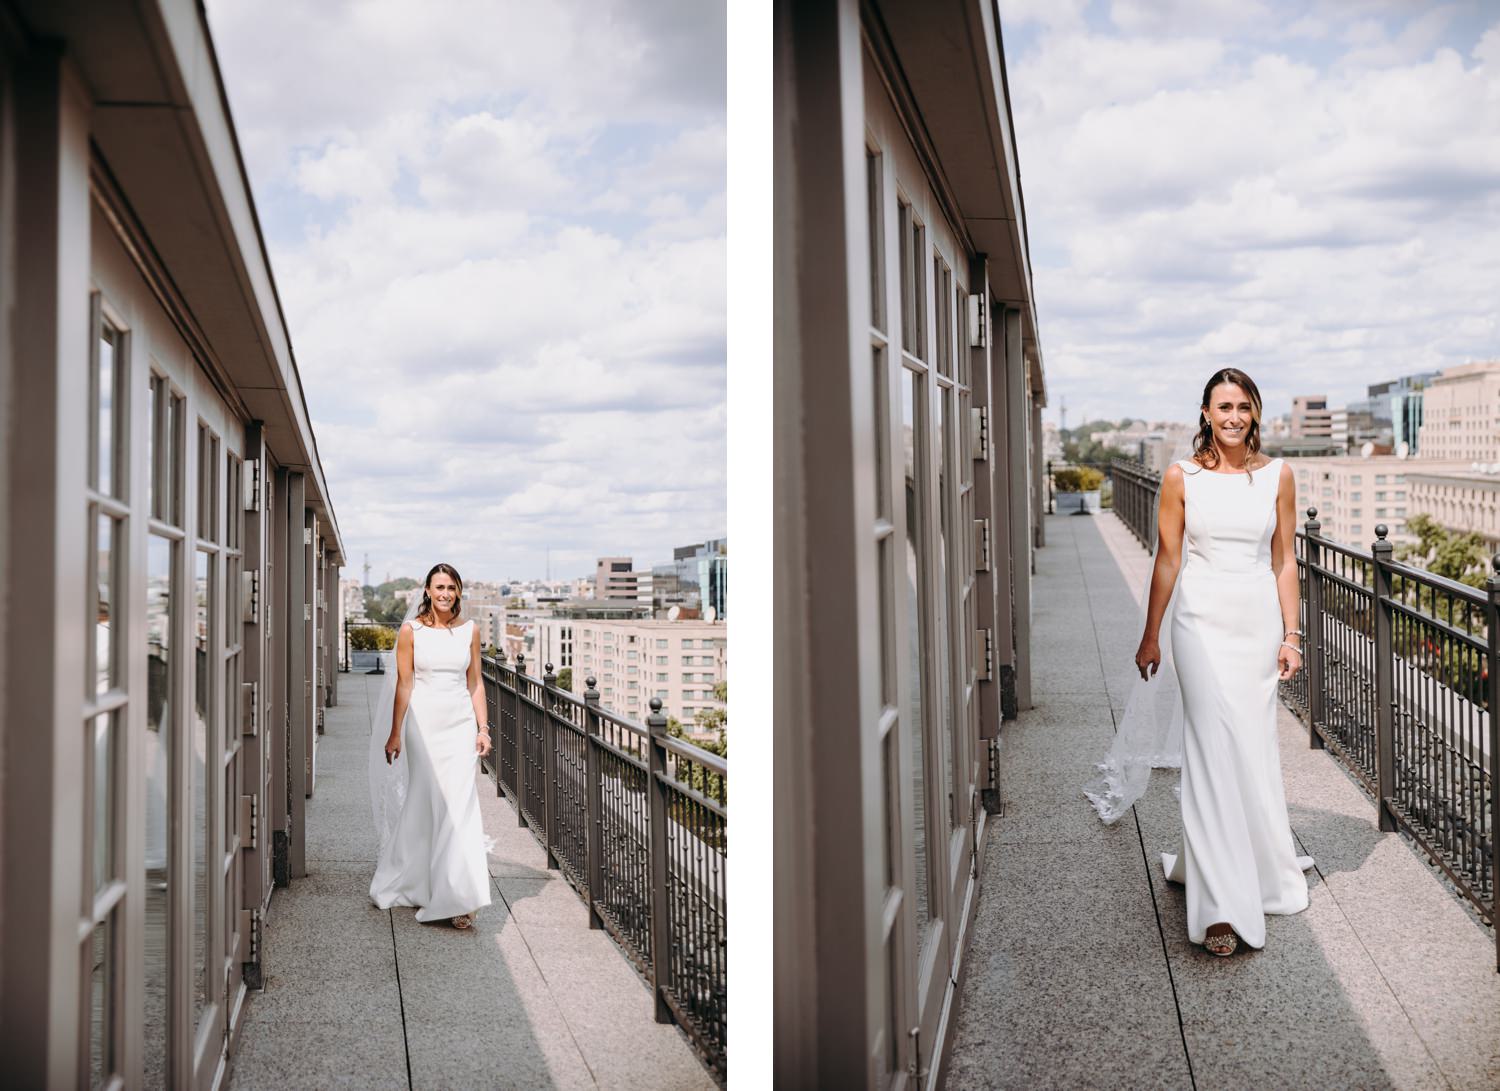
105	693
163	624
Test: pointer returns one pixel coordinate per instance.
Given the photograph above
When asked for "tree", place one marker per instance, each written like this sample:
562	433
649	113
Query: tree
1446	553
565	679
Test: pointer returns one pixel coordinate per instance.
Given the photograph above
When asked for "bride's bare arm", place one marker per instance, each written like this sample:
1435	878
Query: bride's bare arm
1169	524
1284	564
476	694
403	685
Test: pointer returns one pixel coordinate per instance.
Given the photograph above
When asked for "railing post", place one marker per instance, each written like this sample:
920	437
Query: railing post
1385	748
520	751
1049	487
549	766
348	659
656	790
499	720
1312	637
593	776
1492	621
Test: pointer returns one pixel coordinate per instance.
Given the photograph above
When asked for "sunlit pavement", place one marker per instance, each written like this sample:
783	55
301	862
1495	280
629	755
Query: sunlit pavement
1080	973
361	997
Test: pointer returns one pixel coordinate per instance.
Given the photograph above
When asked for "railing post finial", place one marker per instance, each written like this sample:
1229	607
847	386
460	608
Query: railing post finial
549	679
1313	526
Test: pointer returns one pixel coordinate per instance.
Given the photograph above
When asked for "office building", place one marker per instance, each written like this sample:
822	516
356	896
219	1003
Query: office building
162	715
1311	417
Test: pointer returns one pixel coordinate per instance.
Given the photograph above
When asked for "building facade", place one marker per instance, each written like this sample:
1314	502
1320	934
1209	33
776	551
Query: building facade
162	714
907	464
1460	500
1355	495
680	662
1311	417
615	578
1461	414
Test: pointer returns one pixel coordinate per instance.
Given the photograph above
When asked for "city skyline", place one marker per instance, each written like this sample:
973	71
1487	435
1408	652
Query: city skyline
1307	191
501	253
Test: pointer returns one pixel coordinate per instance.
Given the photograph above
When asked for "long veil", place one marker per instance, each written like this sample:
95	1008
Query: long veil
387	781
1149	733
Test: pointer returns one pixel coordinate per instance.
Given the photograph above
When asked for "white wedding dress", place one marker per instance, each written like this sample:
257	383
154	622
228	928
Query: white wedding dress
435	857
1238	861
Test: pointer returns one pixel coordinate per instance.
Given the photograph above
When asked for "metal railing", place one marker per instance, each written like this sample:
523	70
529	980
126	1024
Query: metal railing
1400	682
636	820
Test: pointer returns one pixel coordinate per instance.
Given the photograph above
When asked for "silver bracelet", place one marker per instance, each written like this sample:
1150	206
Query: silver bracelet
1294	647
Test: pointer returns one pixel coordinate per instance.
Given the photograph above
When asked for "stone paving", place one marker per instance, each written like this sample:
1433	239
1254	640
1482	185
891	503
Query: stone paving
1080	972
361	997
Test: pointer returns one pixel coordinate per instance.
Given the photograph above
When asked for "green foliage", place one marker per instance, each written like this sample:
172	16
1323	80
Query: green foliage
381	603
565	679
1077	479
1443	552
371	638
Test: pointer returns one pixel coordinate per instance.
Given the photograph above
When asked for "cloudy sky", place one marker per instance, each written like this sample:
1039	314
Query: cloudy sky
1307	191
498	232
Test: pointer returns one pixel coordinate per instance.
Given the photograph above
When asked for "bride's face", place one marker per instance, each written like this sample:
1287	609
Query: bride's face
443	591
1230	413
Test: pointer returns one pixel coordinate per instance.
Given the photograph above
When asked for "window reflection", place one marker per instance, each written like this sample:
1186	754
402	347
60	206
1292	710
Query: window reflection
159	632
198	741
914	442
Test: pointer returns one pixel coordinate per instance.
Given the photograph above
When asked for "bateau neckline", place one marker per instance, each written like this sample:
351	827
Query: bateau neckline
1236	473
424	625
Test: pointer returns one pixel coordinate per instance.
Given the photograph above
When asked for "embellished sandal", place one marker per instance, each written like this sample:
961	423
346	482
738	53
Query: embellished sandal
1222	945
463	922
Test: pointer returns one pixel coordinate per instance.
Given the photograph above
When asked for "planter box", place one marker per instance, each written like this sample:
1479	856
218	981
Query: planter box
1076	503
364	661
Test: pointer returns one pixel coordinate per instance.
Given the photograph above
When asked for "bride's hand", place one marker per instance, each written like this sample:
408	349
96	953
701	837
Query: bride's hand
392	748
482	744
1148	655
1290	662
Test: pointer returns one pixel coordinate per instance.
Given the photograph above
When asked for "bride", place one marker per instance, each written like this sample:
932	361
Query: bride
1225	563
432	849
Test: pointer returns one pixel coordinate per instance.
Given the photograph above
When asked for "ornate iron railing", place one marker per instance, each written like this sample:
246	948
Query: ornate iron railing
636	820
1400	682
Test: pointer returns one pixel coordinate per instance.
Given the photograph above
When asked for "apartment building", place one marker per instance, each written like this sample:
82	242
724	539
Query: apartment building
635	660
615	578
1354	495
1461	414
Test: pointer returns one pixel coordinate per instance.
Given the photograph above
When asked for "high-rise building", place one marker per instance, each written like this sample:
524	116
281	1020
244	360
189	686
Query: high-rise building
1354	495
1461	414
697	579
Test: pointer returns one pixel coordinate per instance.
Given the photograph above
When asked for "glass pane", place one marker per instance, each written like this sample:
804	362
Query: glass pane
101	801
105	594
914	442
197	763
172	510
877	240
153	447
946	592
881	401
941	325
159	630
101	958
104	411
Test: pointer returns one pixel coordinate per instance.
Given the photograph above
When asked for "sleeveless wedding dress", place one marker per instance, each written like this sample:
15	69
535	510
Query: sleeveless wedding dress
1238	861
435	858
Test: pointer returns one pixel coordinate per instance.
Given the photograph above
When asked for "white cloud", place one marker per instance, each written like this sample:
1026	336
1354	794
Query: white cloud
1313	195
498	231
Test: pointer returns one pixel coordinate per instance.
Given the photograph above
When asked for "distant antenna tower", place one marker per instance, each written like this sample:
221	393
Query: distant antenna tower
1062	414
367	570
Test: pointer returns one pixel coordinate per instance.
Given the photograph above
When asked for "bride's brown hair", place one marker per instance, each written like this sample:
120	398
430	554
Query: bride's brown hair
1205	453
425	610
